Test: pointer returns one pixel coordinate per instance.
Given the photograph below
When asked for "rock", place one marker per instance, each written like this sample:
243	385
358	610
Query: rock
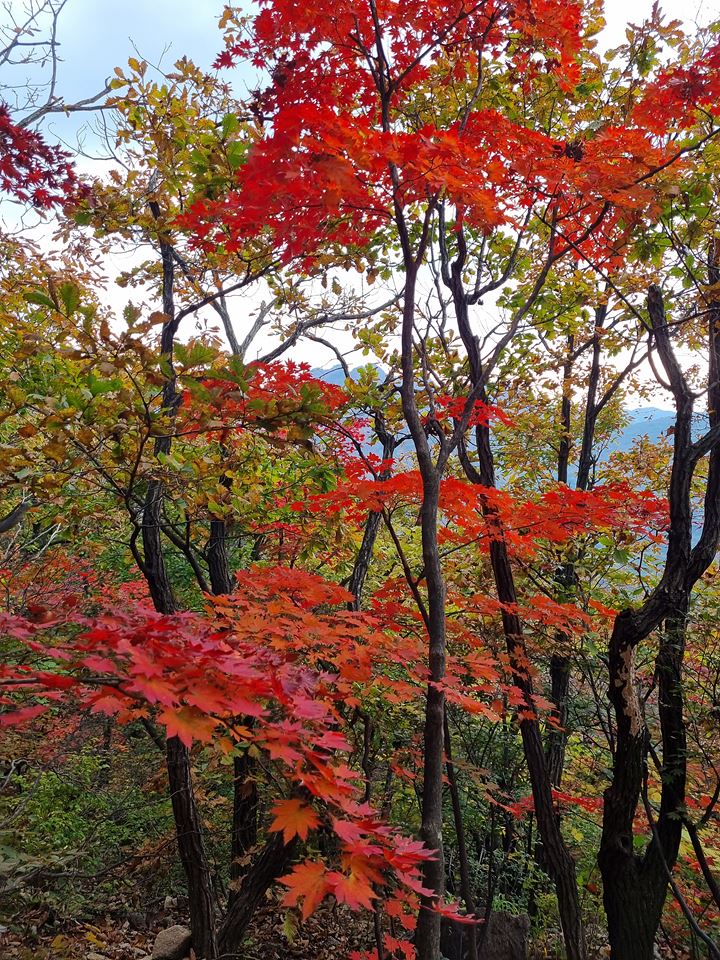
172	943
506	938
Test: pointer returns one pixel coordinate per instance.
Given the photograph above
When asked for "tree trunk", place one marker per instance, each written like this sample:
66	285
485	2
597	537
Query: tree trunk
428	929
245	819
372	525
635	887
269	865
188	826
629	878
560	663
465	883
632	915
427	938
244	830
221	580
557	735
556	738
560	864
192	850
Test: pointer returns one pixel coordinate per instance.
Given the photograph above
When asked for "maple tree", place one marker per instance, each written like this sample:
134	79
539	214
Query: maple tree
360	153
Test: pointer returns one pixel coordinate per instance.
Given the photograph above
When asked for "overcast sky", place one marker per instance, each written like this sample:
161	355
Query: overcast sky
97	35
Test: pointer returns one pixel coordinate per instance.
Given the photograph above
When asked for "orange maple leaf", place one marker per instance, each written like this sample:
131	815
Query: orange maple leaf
294	818
307	882
352	890
188	724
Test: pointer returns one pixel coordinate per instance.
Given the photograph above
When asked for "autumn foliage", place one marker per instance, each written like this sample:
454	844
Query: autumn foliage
440	642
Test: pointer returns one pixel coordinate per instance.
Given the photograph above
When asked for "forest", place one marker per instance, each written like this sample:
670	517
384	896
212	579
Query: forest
336	619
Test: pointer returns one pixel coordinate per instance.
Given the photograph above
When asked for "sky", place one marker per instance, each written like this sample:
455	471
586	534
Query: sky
97	35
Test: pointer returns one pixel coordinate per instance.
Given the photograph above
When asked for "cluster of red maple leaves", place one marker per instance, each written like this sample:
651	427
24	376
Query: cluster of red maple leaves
31	170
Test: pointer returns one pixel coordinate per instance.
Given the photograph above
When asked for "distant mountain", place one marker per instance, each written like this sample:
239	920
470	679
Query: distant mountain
650	422
334	374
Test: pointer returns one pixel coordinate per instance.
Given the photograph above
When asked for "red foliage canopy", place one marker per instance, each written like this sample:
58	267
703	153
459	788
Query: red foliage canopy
30	169
347	143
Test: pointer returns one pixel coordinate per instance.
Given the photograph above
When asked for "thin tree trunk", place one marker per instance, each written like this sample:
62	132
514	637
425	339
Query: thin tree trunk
556	736
635	887
560	663
221	580
244	830
560	864
245	819
188	825
465	882
372	525
428	929
192	850
272	862
710	878
427	938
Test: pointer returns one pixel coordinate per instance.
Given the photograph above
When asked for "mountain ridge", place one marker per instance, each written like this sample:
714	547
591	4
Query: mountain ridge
650	421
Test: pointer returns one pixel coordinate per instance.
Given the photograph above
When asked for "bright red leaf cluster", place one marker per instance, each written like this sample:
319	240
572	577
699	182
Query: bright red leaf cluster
30	169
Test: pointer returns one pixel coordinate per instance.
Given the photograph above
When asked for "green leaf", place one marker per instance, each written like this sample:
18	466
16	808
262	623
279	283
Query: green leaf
235	154
194	354
70	296
230	125
39	298
289	927
98	387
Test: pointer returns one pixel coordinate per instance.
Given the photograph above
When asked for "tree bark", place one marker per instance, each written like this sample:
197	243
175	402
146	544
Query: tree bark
269	865
634	885
188	825
557	734
191	845
245	819
374	520
560	864
560	663
465	882
427	938
221	580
